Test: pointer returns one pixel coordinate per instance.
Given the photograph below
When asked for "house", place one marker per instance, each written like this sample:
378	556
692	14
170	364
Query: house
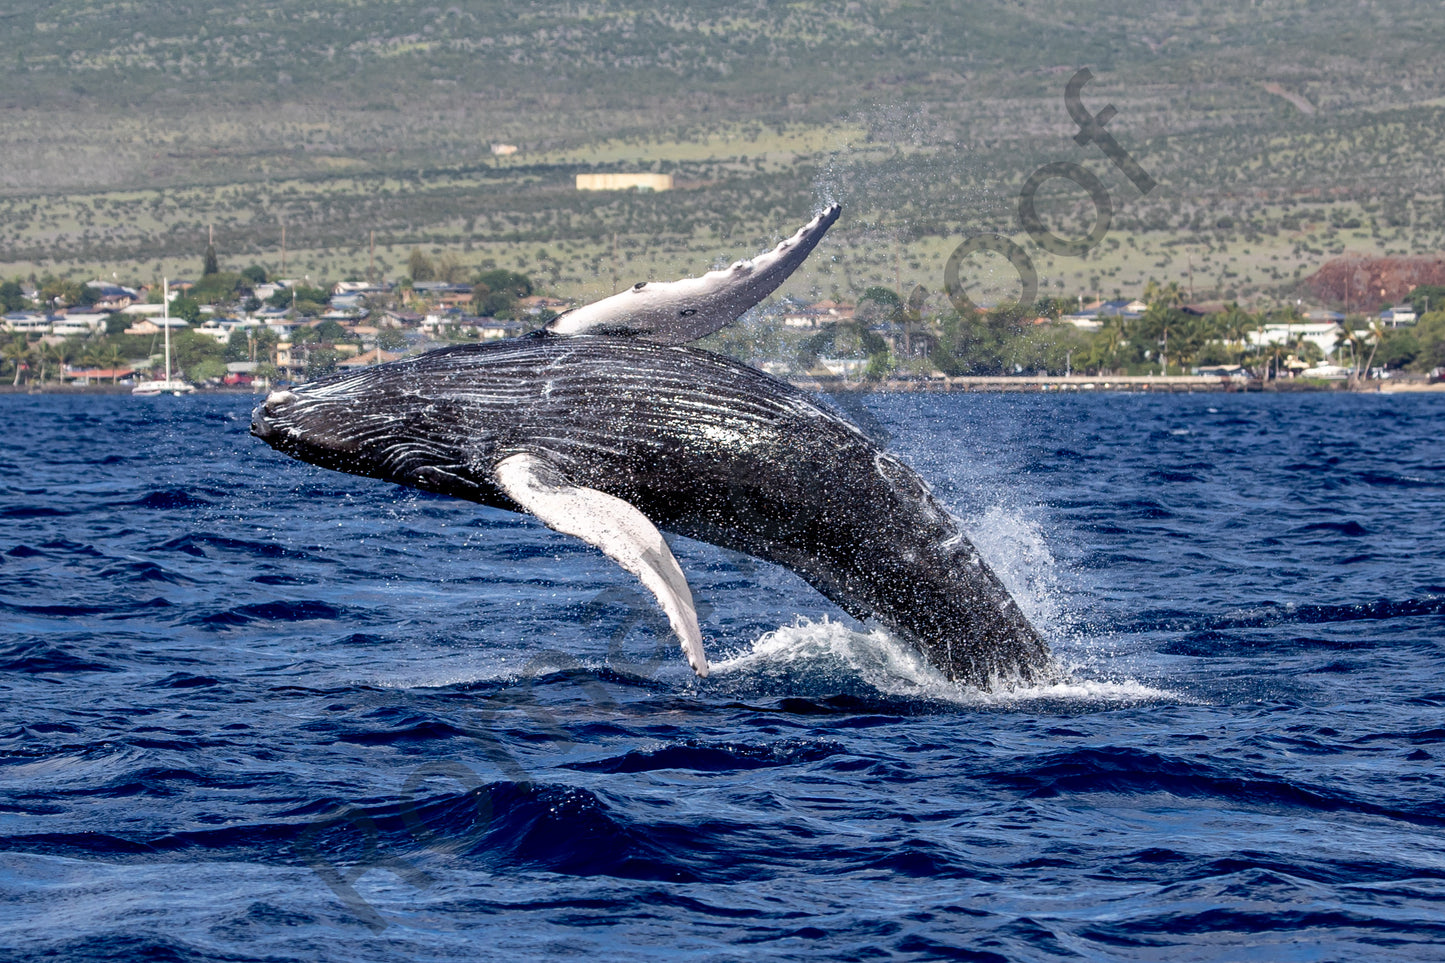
1401	315
1326	334
154	325
912	341
1120	308
492	328
1233	372
429	288
1325	372
443	293
290	363
367	359
282	327
841	310
23	322
847	368
537	303
214	329
344	314
224	330
1087	320
817	314
400	319
456	299
72	324
98	375
112	297
240	373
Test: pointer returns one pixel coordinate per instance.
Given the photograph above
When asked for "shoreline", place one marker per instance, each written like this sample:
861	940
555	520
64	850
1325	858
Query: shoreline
1181	384
1172	384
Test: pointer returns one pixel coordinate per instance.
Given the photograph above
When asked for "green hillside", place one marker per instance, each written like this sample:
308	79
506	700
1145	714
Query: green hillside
1280	132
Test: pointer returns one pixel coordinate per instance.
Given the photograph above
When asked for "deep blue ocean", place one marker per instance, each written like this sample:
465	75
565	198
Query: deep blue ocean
255	710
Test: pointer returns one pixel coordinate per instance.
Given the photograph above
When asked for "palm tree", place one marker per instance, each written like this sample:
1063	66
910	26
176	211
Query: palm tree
1348	335
1114	335
1235	323
17	353
1154	325
1377	338
1172	295
112	357
63	352
93	356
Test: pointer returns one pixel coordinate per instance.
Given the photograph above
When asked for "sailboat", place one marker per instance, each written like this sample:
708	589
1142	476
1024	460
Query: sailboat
167	385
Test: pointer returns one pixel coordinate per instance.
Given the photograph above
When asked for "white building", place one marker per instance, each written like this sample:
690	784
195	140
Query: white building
27	323
215	329
1326	334
1399	316
78	325
845	367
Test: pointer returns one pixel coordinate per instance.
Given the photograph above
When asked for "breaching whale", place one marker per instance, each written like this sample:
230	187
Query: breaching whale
607	426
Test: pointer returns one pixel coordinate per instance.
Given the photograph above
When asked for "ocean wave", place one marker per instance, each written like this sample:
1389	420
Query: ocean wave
303	610
829	658
695	755
167	499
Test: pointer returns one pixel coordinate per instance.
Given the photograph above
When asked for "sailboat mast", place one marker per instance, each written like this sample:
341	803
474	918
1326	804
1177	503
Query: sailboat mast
166	320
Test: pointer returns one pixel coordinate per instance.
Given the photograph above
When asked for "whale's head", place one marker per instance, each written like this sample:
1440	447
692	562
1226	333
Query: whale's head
269	421
385	422
314	427
349	422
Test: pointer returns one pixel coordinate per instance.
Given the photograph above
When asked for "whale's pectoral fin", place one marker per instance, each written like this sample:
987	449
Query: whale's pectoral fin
677	312
623	533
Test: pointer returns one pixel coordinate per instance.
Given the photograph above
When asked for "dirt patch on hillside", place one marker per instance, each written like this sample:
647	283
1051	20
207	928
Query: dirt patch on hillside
1369	283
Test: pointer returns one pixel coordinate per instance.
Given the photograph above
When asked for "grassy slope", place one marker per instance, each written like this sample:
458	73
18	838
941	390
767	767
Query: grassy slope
131	128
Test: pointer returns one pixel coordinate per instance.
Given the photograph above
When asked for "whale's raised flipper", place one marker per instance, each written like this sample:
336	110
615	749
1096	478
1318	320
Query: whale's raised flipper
678	312
604	521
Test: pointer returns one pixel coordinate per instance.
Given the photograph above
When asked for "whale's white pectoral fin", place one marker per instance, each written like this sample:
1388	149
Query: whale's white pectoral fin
677	312
623	533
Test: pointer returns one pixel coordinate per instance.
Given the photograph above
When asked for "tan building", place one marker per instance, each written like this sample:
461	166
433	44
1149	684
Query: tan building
621	182
374	356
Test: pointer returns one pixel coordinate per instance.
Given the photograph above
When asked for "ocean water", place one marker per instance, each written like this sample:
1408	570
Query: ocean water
253	710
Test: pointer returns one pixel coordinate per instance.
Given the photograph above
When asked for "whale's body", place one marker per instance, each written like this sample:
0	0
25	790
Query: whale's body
611	436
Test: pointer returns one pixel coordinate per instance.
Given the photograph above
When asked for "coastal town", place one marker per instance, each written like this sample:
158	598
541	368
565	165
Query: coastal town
248	330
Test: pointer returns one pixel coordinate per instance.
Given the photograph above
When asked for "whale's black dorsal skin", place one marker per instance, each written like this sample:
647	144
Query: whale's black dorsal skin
612	437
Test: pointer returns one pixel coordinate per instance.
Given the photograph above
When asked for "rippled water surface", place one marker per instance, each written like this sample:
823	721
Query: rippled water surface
253	710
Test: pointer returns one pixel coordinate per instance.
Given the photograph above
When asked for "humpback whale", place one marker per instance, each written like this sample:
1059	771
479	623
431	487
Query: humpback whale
608	426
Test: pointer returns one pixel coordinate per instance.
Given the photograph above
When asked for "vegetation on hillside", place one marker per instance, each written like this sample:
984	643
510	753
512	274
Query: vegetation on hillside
1281	133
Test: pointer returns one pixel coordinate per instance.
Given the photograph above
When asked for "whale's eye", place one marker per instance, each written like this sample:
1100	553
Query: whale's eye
639	285
687	312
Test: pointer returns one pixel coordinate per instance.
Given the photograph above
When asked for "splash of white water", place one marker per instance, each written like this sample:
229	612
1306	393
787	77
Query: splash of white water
826	655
